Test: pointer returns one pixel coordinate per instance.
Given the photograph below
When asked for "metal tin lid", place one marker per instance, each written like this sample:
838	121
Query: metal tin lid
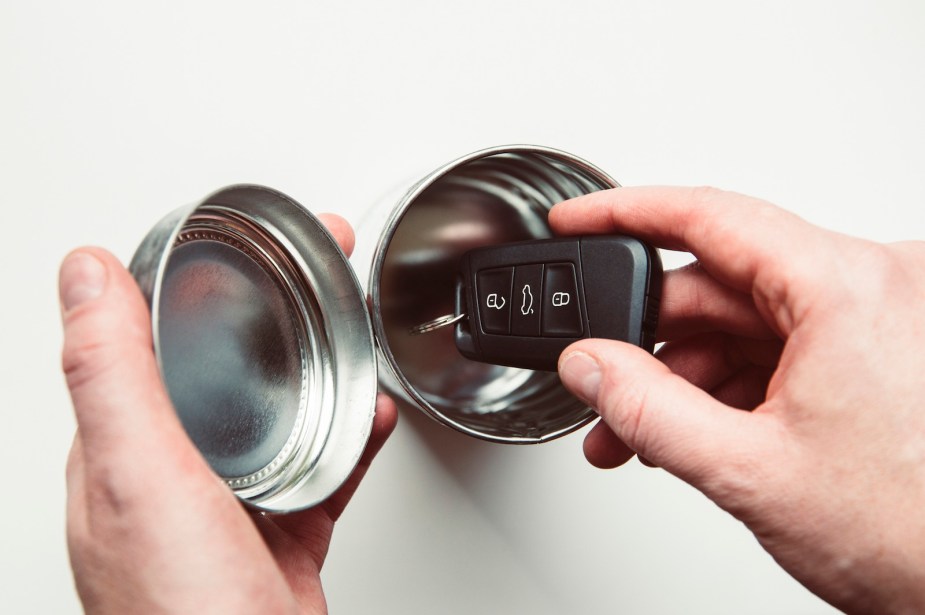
264	341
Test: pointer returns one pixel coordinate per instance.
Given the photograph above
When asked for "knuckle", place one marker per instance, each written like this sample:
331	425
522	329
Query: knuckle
84	362
710	217
95	340
111	493
720	213
706	194
876	280
858	274
700	217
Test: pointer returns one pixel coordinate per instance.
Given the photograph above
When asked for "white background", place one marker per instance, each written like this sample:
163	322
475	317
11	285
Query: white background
113	113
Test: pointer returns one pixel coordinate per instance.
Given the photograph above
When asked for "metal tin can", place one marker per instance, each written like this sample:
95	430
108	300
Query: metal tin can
267	342
408	253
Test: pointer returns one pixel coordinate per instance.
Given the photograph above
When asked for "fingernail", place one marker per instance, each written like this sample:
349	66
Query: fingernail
82	279
582	375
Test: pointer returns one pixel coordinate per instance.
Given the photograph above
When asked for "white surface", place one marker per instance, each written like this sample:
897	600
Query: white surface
113	113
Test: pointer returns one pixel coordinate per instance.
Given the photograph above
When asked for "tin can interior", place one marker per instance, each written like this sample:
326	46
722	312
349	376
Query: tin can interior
484	200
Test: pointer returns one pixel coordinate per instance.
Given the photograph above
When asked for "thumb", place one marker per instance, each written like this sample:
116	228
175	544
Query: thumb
659	415
119	399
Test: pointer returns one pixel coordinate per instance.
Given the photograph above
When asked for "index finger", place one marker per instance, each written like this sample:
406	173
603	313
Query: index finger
735	237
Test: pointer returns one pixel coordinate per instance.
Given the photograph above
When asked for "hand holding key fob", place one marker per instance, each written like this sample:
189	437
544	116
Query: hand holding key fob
526	302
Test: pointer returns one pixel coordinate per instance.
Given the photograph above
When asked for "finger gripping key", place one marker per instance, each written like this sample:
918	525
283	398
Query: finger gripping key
528	301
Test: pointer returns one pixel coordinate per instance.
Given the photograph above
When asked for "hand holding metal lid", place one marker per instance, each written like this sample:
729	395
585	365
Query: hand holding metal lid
149	525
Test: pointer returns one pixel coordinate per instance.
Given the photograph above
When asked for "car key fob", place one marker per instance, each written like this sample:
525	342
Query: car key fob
527	301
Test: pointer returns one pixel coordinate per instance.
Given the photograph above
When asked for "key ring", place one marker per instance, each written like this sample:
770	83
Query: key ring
436	323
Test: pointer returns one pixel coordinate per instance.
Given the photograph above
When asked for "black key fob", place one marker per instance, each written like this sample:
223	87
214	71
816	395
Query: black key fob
527	301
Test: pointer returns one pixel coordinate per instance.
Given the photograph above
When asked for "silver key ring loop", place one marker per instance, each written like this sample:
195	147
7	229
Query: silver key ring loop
436	323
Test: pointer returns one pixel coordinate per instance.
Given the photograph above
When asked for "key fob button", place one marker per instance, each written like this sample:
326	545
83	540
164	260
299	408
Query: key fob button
528	294
494	296
561	315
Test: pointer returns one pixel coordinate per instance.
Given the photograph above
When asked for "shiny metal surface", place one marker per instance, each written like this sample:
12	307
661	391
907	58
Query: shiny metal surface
232	353
436	324
493	196
264	342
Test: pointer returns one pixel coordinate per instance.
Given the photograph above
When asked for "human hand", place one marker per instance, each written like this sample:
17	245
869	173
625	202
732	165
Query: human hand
820	335
150	527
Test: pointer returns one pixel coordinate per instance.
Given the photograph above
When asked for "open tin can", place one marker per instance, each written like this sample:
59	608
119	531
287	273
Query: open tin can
266	339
